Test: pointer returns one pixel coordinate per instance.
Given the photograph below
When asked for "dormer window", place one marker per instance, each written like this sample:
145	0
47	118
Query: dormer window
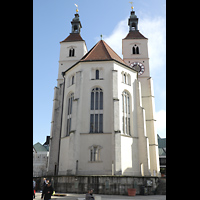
71	52
135	49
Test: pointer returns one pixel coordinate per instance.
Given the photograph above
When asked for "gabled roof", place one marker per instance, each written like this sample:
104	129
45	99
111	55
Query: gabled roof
161	142
38	147
73	37
134	35
101	52
161	152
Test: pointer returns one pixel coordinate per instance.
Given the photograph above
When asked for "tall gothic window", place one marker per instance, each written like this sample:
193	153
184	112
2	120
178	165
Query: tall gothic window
96	111
126	127
69	112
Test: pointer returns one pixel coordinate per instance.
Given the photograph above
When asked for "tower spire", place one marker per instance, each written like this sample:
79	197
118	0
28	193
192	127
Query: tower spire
133	20
76	24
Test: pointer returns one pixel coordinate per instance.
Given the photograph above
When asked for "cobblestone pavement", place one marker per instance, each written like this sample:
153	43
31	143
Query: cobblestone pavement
104	197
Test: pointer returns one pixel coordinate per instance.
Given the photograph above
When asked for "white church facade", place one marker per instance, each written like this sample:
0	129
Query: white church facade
103	118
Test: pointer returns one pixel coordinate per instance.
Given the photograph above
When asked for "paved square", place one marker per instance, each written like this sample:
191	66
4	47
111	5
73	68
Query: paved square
104	197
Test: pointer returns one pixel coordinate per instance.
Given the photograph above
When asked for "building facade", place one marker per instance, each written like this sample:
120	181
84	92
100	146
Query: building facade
40	159
162	155
103	111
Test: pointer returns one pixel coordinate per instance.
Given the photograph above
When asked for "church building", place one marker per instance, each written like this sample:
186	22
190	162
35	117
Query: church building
103	118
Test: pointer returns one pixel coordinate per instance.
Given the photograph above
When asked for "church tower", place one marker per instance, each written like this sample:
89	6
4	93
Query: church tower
72	49
135	54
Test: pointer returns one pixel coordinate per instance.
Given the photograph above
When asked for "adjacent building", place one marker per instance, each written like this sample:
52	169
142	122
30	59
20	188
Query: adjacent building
40	158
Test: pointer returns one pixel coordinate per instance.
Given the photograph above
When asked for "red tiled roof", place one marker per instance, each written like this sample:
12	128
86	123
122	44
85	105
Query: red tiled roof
134	35
73	37
101	51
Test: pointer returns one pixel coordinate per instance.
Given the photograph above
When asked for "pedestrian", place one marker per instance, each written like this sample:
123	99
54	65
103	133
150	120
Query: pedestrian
34	184
45	182
47	191
89	195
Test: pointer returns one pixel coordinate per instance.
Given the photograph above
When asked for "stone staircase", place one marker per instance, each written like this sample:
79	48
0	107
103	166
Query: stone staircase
161	189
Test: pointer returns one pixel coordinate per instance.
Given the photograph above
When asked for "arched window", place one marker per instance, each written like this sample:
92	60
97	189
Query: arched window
124	78
96	111
72	80
129	79
97	74
69	112
95	153
126	127
133	25
135	49
75	28
71	52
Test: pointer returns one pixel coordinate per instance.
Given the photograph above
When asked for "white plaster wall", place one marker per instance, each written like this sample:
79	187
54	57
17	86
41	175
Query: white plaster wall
131	90
133	149
102	167
142	57
65	61
82	140
126	151
128	44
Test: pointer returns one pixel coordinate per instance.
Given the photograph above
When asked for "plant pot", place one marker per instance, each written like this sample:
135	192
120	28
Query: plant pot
131	191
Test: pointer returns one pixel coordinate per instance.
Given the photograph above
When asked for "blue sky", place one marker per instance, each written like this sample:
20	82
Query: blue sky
52	24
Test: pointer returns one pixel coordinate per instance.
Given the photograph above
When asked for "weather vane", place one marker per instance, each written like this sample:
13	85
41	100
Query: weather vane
131	4
101	36
76	8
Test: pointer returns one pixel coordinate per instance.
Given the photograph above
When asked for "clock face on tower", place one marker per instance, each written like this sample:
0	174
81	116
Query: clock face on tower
139	67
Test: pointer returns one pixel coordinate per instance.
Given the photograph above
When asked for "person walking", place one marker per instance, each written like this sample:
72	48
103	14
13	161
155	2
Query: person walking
34	184
47	191
89	195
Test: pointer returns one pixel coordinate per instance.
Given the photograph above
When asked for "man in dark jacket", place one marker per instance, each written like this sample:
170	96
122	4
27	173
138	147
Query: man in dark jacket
89	195
47	192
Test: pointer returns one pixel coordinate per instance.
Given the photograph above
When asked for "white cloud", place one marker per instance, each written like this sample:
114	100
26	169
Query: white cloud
152	28
115	39
161	123
155	30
